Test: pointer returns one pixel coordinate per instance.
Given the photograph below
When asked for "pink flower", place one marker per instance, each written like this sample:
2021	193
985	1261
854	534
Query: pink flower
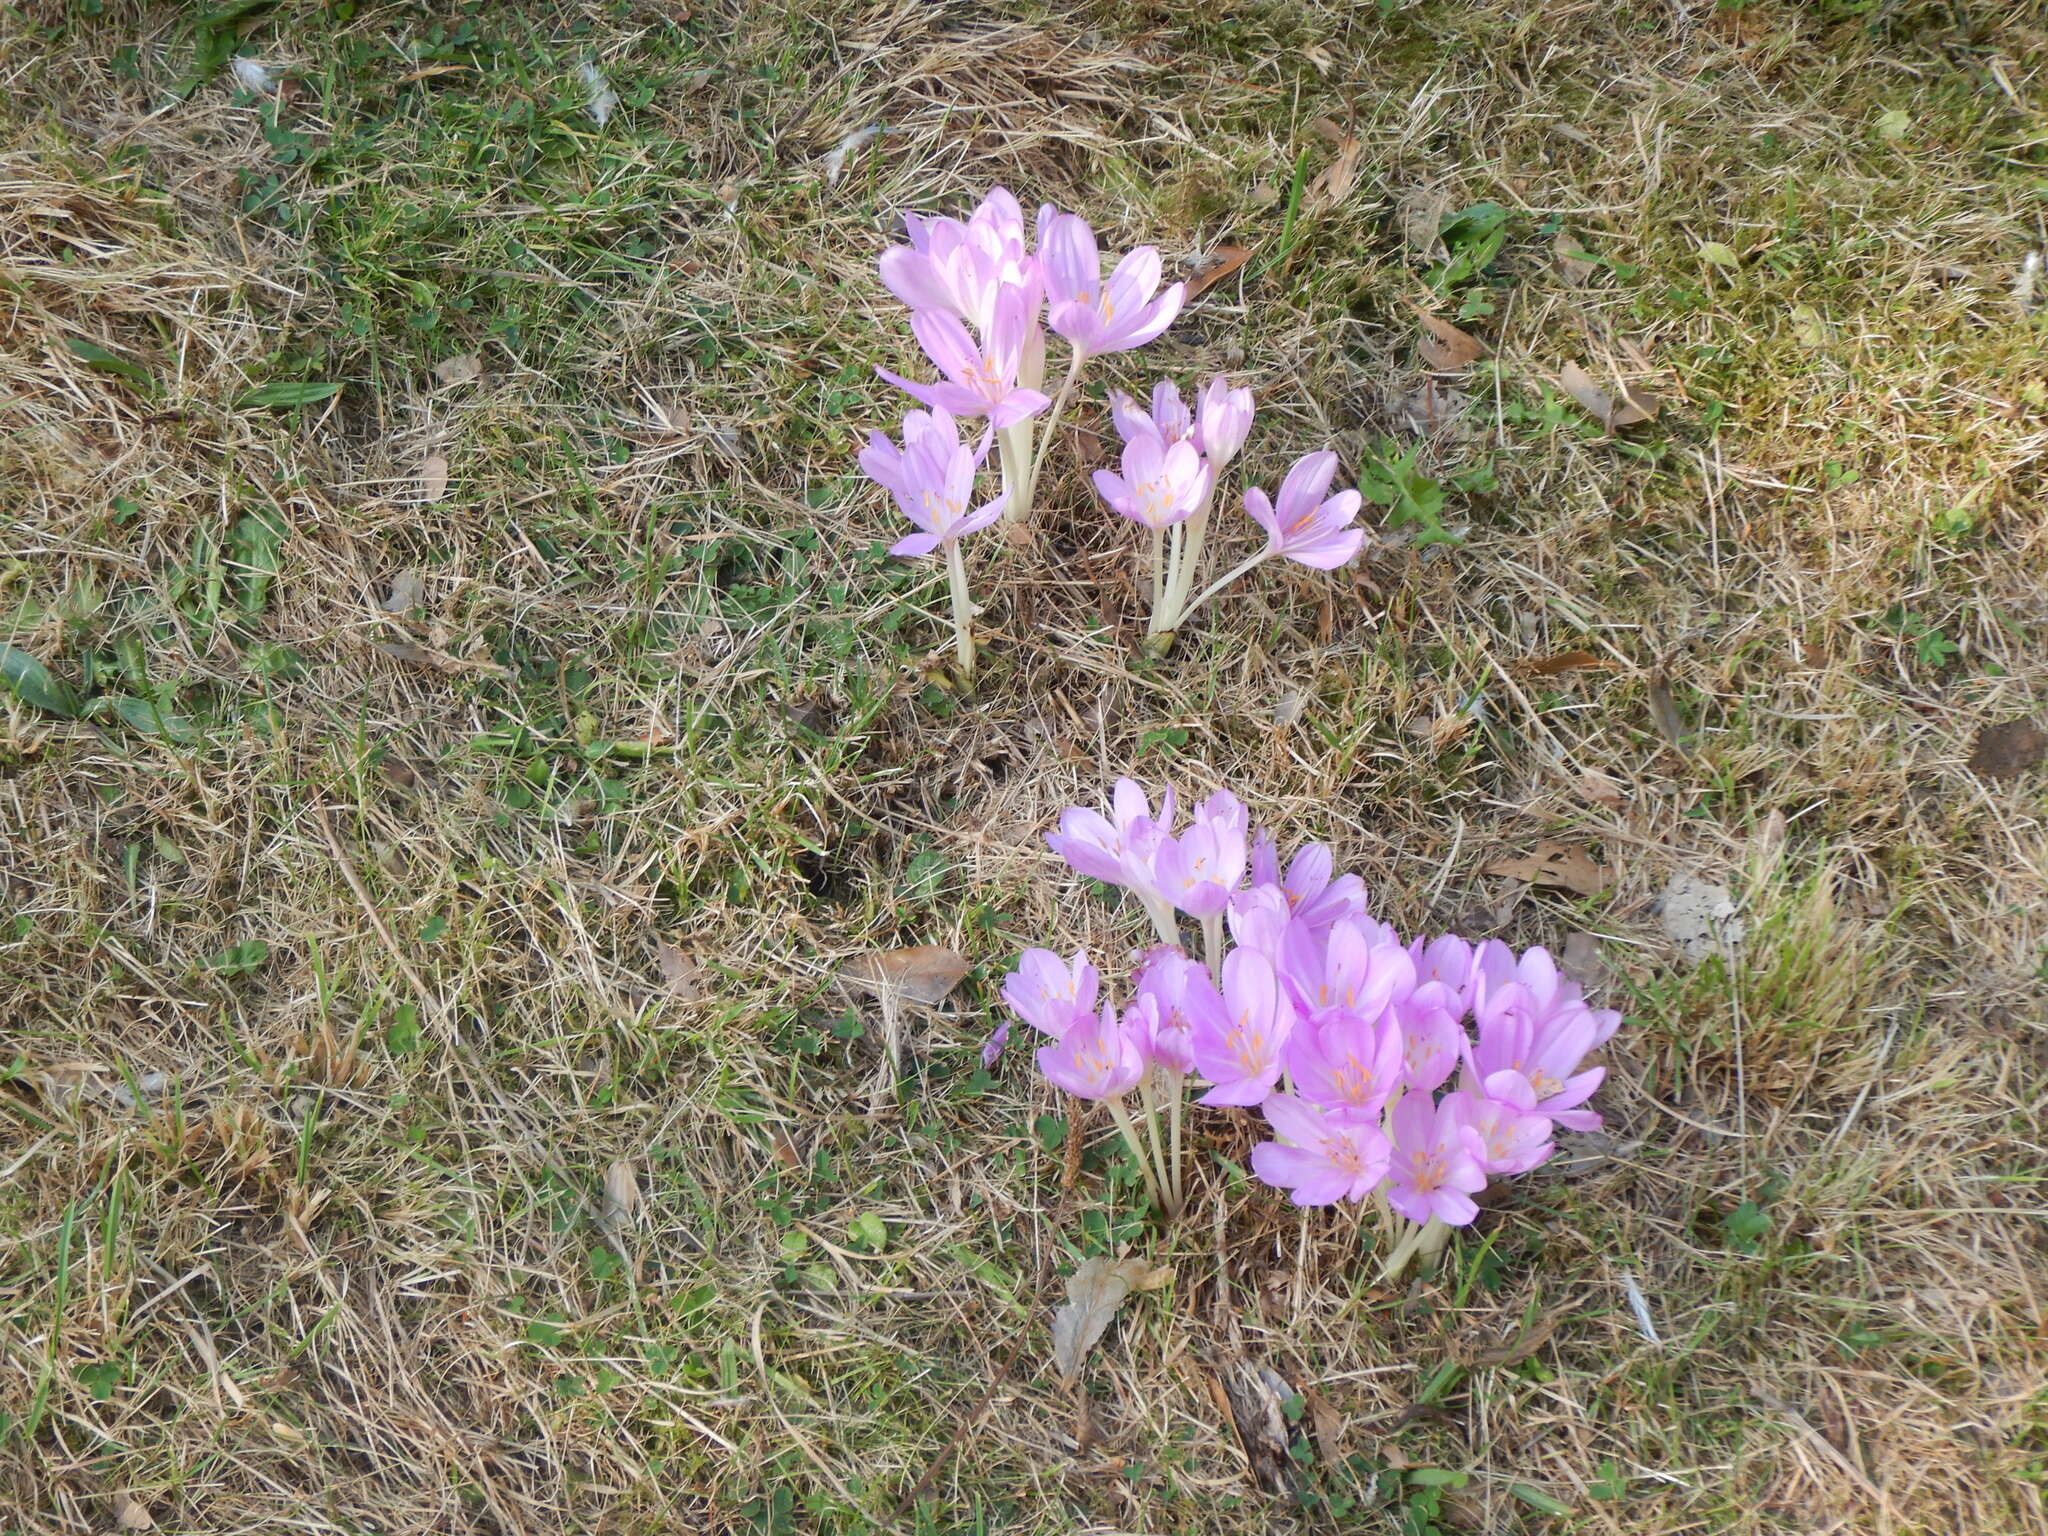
1431	1041
981	378
962	269
1097	316
1434	1169
1223	420
1095	1059
1347	1063
1240	1052
1169	420
1048	993
1546	1049
1094	845
1161	484
932	479
1319	1158
1307	528
1198	871
1315	898
1512	1137
1448	961
1352	972
1259	918
1182	992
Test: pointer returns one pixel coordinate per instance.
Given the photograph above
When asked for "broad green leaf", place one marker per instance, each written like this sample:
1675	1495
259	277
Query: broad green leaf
143	715
36	685
98	357
288	392
870	1231
1538	1500
1720	255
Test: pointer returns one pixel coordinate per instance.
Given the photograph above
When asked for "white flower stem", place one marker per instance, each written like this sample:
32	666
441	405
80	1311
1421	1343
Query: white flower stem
1122	1117
1212	945
1176	1085
1163	921
1221	582
1013	453
1159	573
1075	358
1187	562
1170	1204
1432	1232
963	610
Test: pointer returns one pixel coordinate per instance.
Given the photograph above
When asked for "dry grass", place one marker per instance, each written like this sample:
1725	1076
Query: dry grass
329	1010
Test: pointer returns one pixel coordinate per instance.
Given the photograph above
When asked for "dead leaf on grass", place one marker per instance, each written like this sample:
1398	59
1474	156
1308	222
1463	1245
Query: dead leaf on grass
131	1514
682	971
1664	710
1633	407
922	973
1582	961
2008	749
1563	661
1571	260
1446	348
464	369
1598	789
433	477
1095	1292
408	587
621	1193
1228	259
1556	864
1420	212
1333	184
1256	1394
1699	917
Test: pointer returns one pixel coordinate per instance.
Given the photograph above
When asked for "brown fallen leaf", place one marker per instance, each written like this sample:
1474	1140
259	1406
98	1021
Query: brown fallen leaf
1634	405
1598	789
466	368
1581	960
131	1514
621	1193
1571	260
682	971
1664	710
1328	1425
1420	211
1563	661
2008	749
1095	1292
1556	864
1333	184
921	973
433	477
1446	347
1256	1394
408	589
1228	259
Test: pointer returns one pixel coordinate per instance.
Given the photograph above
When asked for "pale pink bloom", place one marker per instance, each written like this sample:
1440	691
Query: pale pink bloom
1094	845
1531	985
1223	420
1321	1159
1198	870
1347	1063
1095	1059
932	479
1434	1170
1259	917
1240	1052
1094	314
1161	484
1548	1051
1182	992
1314	896
962	269
1353	971
1449	961
1047	992
1309	527
1431	1041
1501	1113
981	377
1169	420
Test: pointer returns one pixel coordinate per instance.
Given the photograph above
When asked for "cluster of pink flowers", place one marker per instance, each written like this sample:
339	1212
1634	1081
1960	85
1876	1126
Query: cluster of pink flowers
1172	460
1413	1071
981	297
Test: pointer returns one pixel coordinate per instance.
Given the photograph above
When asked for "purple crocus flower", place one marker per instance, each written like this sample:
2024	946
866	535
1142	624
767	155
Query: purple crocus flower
962	269
1309	527
1547	1050
1348	1064
1319	1158
1501	1114
1169	419
1048	993
1161	484
981	378
1435	1172
1098	316
1240	1053
1199	870
1183	993
1223	420
1095	1059
932	479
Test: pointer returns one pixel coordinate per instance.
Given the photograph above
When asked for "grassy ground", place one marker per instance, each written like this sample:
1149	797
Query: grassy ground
452	794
